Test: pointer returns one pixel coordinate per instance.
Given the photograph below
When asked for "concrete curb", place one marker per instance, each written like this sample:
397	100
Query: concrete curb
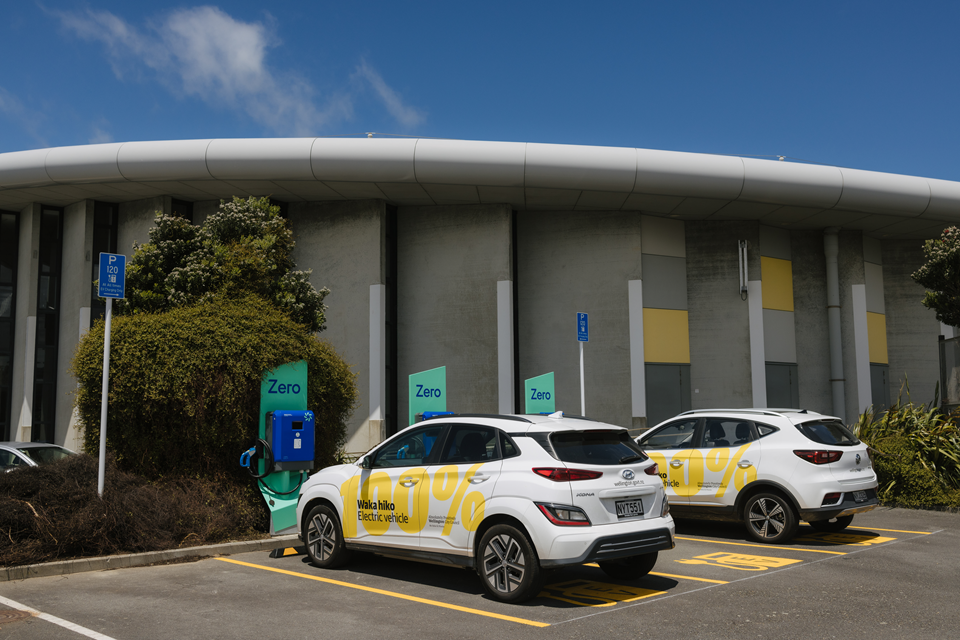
141	559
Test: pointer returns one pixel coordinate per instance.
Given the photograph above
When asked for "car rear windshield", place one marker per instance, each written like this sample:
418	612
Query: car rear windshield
596	447
833	433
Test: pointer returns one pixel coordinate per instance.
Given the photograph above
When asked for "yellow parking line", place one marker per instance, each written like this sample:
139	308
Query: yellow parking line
393	594
670	575
924	533
764	546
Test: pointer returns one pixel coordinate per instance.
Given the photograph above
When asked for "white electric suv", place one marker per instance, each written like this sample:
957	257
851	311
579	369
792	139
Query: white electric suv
768	468
508	496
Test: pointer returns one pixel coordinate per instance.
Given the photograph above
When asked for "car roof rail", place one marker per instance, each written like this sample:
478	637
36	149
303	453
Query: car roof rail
762	412
479	415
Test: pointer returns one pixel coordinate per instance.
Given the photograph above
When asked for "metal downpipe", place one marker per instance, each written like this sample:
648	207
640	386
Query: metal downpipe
831	248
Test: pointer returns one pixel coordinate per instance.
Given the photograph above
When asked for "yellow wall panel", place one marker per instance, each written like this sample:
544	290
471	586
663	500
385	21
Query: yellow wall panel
877	335
666	336
776	277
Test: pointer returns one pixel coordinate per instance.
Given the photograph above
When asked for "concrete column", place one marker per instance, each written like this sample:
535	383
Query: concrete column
76	277
758	362
831	250
861	342
505	338
24	350
378	360
638	372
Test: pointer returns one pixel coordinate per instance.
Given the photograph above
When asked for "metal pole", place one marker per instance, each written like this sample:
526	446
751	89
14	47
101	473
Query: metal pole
103	396
583	409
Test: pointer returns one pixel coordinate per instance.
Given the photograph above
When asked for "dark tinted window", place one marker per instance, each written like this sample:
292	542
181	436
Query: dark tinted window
508	446
828	433
766	429
470	443
596	447
43	455
678	435
408	450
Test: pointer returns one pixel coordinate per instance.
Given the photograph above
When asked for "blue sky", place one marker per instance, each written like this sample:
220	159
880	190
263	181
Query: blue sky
871	85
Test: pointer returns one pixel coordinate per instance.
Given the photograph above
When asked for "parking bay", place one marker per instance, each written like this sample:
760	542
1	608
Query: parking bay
894	575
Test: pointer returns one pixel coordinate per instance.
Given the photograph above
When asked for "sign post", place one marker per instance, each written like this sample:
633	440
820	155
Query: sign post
112	284
583	335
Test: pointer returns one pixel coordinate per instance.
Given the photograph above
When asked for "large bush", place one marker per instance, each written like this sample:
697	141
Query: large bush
245	247
940	276
184	390
53	512
916	453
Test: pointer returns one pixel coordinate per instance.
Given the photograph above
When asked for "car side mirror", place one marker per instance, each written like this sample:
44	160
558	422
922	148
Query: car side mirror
365	462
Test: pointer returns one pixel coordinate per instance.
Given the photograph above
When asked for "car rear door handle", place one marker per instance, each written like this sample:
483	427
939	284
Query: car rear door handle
676	464
743	464
409	481
477	478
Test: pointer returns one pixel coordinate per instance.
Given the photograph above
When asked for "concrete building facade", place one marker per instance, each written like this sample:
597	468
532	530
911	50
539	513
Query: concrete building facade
710	281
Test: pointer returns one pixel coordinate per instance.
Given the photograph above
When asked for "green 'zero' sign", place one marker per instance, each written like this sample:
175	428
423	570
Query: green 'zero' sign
428	392
539	394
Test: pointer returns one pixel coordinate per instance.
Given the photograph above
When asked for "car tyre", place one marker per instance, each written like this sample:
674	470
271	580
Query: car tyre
508	565
770	518
324	538
832	526
632	568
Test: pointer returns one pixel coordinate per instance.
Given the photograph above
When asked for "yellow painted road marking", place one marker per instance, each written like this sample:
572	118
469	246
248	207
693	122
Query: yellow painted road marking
764	546
670	575
923	533
587	593
851	539
393	594
740	561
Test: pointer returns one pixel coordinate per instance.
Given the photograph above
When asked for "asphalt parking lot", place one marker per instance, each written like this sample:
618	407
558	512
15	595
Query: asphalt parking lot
895	574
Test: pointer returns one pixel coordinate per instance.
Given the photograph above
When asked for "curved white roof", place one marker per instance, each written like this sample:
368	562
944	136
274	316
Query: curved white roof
422	171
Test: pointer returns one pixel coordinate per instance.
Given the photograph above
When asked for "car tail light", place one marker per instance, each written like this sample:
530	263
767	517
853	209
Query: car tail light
830	498
652	470
564	515
563	474
665	509
819	457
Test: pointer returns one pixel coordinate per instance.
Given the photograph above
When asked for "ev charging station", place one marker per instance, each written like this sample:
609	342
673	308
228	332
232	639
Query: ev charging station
284	452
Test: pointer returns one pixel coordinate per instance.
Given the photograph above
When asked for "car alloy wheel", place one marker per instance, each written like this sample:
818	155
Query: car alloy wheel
324	538
508	567
770	518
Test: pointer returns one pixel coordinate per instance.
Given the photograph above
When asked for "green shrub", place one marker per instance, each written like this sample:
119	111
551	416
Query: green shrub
916	453
184	390
52	512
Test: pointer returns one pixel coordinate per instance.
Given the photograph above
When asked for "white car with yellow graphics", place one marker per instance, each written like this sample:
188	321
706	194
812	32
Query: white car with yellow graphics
768	468
508	496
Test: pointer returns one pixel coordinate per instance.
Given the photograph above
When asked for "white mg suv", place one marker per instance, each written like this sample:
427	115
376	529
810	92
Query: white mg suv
768	468
508	496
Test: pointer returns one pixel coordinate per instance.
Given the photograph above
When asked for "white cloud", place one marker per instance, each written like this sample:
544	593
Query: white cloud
204	52
26	119
406	116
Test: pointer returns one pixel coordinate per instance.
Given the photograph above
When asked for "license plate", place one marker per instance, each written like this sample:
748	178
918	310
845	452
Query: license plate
629	508
859	496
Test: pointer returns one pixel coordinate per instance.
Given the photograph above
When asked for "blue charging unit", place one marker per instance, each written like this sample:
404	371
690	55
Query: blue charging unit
290	436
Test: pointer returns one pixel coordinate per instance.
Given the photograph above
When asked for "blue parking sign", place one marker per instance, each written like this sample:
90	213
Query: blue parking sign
583	332
113	272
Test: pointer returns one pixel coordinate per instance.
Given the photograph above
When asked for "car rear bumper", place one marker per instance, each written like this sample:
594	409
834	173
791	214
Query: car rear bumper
846	507
590	548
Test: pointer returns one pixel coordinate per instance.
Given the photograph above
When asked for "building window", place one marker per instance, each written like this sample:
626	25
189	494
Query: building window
9	254
182	209
48	326
105	225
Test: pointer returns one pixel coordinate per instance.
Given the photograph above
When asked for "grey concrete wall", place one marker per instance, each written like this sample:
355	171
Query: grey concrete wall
569	262
850	268
136	220
449	260
810	320
204	209
75	291
720	371
912	329
342	242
